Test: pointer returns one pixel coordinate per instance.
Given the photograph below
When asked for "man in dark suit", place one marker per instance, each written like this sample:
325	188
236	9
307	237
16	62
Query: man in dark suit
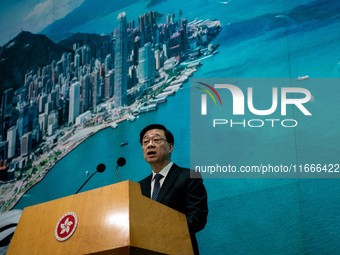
174	186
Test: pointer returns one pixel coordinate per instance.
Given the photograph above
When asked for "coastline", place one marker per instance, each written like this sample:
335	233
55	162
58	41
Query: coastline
42	174
78	137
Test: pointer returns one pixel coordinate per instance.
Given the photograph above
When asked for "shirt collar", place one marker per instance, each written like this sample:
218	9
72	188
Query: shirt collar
163	172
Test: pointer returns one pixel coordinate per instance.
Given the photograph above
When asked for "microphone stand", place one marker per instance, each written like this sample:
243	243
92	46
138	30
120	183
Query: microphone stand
100	168
117	173
120	162
86	182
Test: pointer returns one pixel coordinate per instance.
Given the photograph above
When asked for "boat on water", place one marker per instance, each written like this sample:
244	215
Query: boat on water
300	78
173	87
158	100
199	63
180	80
113	125
148	108
123	143
165	94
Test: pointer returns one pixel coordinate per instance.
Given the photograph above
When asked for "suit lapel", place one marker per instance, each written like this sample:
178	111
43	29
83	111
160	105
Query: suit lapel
169	180
147	187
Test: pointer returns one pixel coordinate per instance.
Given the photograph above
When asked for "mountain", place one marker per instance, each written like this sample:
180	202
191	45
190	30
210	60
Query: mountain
82	39
26	52
87	11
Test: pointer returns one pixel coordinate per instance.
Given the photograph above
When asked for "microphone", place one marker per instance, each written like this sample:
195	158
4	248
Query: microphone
100	168
120	162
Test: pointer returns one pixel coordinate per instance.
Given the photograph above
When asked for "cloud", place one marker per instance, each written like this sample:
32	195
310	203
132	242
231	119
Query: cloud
47	12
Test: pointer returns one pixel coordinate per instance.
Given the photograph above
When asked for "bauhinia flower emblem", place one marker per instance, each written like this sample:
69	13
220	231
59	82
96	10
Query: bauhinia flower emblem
66	226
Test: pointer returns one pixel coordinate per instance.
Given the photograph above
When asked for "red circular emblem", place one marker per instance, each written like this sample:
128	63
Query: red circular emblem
66	226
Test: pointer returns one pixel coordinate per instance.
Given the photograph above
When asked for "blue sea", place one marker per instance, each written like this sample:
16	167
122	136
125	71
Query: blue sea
262	39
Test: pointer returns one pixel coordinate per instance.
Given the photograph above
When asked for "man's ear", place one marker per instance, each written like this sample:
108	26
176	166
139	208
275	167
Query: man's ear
171	147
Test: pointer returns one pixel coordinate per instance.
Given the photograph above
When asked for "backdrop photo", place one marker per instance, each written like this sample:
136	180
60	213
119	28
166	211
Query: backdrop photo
249	90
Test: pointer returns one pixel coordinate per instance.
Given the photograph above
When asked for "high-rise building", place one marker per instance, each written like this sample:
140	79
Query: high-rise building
12	141
158	63
146	65
166	49
86	93
57	91
3	153
136	46
6	106
43	122
59	68
77	60
95	88
109	80
133	80
26	144
175	45
74	106
53	98
121	67
32	115
102	71
48	107
180	17
131	24
52	122
64	63
42	102
170	18
108	63
146	23
69	58
23	121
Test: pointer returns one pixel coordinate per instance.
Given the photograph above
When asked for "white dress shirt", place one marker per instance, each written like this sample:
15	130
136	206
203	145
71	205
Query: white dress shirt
163	172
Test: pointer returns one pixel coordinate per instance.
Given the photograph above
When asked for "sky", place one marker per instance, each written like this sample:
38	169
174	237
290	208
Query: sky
31	15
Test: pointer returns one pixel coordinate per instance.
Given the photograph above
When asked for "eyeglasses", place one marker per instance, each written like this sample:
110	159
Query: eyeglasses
156	140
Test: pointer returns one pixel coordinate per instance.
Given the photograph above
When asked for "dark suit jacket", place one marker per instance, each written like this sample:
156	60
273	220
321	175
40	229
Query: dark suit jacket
184	194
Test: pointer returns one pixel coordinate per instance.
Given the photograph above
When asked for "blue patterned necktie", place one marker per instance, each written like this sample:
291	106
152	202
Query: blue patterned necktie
157	186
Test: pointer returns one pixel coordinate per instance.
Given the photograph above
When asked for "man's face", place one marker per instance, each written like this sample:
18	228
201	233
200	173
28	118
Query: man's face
156	149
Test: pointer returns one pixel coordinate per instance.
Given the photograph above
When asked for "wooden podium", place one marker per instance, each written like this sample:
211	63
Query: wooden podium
116	219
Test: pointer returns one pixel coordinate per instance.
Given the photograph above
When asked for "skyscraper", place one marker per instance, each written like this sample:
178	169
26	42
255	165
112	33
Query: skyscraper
146	65
74	102
52	122
42	101
158	59
95	88
23	121
109	80
43	122
86	93
12	141
180	18
26	144
6	107
121	67
108	63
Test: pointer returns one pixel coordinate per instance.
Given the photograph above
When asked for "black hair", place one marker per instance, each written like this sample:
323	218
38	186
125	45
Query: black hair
168	134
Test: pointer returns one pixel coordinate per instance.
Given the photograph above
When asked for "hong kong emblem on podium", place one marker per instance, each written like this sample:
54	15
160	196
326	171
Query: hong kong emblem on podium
66	226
